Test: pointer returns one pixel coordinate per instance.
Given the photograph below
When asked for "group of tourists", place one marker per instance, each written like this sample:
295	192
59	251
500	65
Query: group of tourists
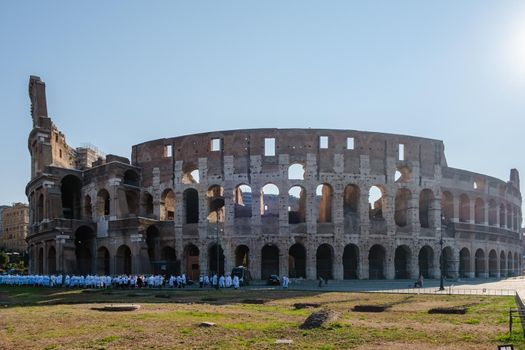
119	281
219	282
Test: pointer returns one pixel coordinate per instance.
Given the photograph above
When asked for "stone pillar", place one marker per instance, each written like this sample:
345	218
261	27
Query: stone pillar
283	262
45	262
414	265
311	211
472	272
337	265
390	270
255	261
472	212
364	215
203	259
311	263
114	208
413	213
157	193
364	264
455	202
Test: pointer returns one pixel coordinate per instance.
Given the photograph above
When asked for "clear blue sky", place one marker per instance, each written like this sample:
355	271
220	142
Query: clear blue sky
123	72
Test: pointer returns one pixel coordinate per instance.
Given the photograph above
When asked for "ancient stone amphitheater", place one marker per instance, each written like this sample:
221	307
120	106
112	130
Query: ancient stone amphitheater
340	204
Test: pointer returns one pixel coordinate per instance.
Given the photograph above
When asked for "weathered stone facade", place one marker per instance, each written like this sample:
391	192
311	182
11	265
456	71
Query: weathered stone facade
296	202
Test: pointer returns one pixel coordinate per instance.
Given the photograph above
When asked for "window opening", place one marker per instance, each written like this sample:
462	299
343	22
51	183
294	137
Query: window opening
350	143
269	146
323	142
215	145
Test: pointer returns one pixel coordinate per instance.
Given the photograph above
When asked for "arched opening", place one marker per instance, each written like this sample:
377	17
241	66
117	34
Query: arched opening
269	261
270	200
502	264
351	208
70	189
376	262
191	205
212	262
447	206
464	208
502	215
426	198
191	253
242	197
131	178
479	263
51	261
350	262
464	263
425	261
191	176
296	205
132	202
479	211
84	244
403	174
296	172
324	261
41	261
123	260
215	204
493	263
375	202
242	256
103	207
297	261
403	196
448	263
402	262
167	205
153	243
103	261
147	204
169	262
323	195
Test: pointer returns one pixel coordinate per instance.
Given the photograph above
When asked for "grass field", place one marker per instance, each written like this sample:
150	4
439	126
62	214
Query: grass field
247	319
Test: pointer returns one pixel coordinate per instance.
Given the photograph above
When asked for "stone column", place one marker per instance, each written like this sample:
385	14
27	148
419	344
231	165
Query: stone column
414	265
311	264
337	265
283	262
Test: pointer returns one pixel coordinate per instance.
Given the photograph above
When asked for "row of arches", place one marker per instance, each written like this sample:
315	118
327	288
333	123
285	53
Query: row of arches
163	259
507	216
136	203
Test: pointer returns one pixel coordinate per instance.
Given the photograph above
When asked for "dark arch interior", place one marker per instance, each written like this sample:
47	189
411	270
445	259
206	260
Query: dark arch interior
297	261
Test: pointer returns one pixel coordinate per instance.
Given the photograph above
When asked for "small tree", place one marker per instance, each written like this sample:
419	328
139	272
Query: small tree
4	259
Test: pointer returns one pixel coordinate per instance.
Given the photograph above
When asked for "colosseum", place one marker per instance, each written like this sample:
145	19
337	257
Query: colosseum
341	204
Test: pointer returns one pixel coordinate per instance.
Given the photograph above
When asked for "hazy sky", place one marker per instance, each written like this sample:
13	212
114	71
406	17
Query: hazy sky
120	73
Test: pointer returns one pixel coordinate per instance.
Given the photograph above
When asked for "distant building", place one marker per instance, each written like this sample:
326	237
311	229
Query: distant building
15	221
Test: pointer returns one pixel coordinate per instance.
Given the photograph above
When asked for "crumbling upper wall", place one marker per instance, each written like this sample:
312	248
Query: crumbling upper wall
296	143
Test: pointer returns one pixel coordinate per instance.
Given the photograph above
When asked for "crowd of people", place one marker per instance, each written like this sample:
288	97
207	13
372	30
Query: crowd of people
125	281
119	281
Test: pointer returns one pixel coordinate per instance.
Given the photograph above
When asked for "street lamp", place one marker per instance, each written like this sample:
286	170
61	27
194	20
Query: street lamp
443	225
216	205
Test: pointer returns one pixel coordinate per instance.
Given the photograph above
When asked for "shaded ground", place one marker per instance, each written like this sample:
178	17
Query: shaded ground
66	319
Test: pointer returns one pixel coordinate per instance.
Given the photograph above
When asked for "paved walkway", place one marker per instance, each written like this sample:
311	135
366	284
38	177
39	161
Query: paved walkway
506	286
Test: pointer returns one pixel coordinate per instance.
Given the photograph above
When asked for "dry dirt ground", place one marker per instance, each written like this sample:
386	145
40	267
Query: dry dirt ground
248	319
